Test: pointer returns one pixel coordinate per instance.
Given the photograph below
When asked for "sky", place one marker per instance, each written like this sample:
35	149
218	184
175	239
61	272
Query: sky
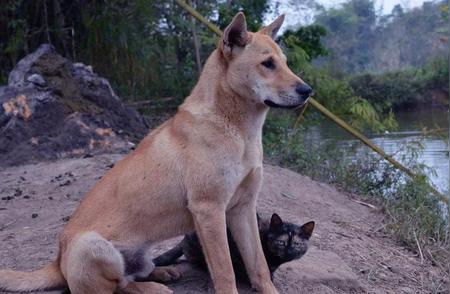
296	16
386	5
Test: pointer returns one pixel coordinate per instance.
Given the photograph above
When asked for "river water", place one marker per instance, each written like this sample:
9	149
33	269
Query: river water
434	153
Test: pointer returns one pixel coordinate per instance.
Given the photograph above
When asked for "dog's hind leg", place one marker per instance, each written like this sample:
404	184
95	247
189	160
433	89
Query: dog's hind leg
94	265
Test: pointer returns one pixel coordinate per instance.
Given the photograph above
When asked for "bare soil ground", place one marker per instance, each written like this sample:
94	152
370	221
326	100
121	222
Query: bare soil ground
349	252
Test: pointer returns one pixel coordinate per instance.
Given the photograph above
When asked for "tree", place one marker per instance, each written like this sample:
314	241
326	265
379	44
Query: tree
254	11
360	41
309	38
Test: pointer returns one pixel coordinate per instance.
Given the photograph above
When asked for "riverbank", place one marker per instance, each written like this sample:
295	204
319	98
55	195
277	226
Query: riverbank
350	251
426	129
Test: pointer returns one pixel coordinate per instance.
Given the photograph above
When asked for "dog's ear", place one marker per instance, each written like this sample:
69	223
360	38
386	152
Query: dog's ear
273	28
235	35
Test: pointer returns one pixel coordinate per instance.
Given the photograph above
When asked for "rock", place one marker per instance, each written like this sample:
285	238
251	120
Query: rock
318	271
38	80
53	108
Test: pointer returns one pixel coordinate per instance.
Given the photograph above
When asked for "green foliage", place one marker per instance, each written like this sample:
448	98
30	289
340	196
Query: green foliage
362	114
444	11
415	215
149	46
403	88
335	94
144	47
253	9
12	36
280	141
308	38
148	43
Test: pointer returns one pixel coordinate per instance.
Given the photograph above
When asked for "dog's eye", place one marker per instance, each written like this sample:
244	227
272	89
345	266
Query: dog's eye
269	63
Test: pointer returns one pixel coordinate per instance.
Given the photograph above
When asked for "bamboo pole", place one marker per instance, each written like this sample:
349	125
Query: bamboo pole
326	112
360	136
374	147
200	17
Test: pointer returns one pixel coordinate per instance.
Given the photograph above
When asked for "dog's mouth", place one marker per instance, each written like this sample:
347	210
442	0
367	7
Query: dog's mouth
272	104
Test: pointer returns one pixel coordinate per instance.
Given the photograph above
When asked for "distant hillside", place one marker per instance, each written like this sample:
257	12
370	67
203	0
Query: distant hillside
361	42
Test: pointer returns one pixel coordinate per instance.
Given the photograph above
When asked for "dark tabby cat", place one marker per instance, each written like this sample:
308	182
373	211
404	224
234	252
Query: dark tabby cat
281	242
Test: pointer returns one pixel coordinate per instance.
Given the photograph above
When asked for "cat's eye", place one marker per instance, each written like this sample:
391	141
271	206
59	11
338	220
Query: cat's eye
297	244
280	243
268	63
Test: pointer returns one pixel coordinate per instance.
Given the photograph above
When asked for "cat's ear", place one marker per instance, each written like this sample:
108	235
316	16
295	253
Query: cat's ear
307	230
276	222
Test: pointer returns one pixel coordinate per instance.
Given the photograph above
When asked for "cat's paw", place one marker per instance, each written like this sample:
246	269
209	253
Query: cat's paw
165	274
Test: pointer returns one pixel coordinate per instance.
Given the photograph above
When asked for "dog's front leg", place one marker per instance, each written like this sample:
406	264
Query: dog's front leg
210	225
243	225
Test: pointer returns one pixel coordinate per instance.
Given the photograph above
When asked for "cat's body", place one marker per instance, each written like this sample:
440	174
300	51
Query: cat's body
281	241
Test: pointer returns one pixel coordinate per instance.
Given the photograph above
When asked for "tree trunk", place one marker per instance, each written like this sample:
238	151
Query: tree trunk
47	28
196	44
62	31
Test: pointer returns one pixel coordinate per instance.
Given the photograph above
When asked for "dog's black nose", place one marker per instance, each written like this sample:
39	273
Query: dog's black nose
303	90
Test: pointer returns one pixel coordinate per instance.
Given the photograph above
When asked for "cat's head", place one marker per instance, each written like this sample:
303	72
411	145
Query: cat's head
287	241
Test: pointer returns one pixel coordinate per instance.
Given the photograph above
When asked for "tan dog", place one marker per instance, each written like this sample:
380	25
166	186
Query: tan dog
201	169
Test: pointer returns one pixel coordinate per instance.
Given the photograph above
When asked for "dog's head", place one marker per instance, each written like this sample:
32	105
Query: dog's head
256	66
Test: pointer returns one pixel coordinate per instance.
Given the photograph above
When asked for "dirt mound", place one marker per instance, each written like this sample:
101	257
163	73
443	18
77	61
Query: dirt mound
54	108
349	252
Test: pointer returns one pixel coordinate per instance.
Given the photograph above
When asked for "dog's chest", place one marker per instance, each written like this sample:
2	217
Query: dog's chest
252	155
251	165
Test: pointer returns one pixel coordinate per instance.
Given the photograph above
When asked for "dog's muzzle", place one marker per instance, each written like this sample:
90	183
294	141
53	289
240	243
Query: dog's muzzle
302	89
291	106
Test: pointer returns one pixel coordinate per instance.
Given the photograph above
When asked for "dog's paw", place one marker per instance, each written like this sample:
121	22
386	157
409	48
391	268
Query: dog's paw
165	274
160	289
144	287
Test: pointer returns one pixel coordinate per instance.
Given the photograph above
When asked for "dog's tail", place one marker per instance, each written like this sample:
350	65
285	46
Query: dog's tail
47	278
170	256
